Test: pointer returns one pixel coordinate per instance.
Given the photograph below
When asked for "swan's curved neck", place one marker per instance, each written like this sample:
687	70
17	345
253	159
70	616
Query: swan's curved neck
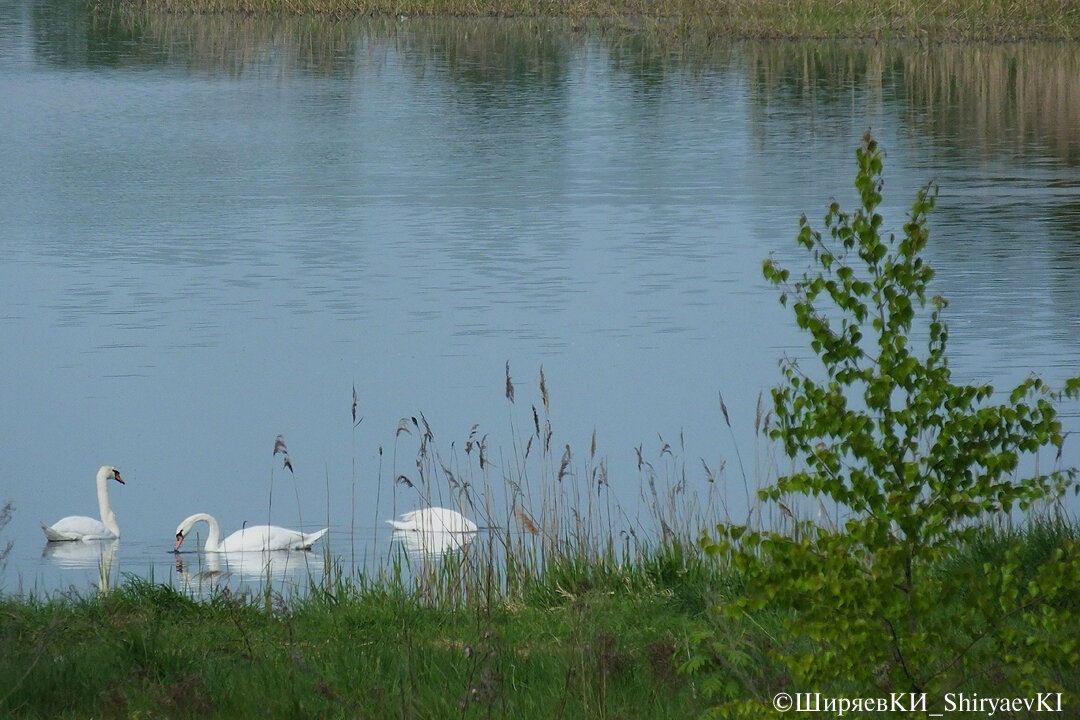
213	539
107	515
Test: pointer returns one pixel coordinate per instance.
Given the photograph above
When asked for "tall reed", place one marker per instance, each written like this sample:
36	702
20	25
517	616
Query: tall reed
547	512
944	20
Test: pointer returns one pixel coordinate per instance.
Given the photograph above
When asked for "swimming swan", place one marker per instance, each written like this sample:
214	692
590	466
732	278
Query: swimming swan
249	539
80	527
431	520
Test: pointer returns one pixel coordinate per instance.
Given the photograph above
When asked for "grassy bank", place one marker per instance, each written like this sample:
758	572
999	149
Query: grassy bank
947	20
586	639
351	651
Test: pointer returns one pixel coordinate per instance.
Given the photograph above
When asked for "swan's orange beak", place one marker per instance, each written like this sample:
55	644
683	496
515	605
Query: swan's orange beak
116	474
179	539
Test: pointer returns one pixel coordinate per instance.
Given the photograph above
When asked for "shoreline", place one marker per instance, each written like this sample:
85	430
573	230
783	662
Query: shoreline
994	21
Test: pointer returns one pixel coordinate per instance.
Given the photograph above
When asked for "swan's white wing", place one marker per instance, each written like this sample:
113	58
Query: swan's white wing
434	520
249	539
77	527
408	521
451	521
309	539
416	517
269	537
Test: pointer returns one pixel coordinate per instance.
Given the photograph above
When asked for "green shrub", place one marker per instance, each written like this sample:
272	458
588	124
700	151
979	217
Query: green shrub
900	469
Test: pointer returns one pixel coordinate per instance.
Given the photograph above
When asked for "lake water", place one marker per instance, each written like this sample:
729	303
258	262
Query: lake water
214	231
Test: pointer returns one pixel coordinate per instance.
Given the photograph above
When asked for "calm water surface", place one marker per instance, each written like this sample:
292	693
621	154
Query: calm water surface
213	231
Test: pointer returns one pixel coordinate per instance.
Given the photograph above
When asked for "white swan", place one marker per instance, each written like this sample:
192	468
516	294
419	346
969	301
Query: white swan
256	538
429	520
80	527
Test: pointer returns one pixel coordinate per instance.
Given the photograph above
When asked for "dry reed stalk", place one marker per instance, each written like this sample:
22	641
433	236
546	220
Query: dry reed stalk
944	20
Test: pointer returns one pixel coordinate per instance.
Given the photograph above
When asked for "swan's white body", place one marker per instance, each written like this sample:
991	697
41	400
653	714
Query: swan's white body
432	520
80	527
256	538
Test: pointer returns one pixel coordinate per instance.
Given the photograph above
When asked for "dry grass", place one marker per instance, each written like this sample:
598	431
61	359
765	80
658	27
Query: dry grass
943	20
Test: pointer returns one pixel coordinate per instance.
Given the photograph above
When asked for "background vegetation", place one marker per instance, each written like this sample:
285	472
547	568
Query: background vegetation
946	20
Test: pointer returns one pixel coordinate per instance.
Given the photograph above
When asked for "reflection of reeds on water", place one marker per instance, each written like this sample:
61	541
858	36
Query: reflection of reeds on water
237	45
1001	92
1006	95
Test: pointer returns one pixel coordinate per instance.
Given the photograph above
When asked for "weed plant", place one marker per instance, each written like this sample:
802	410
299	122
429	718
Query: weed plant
5	548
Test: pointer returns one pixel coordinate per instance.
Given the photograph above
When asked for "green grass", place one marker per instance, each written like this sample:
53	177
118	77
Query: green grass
590	641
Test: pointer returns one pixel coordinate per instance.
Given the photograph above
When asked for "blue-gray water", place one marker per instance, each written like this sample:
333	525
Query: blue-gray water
212	230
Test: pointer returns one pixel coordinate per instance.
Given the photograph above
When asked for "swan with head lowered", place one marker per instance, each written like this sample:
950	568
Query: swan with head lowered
256	538
80	527
433	520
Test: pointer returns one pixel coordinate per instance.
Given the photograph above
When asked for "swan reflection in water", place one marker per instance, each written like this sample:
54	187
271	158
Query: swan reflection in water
85	555
431	544
429	554
212	570
431	533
